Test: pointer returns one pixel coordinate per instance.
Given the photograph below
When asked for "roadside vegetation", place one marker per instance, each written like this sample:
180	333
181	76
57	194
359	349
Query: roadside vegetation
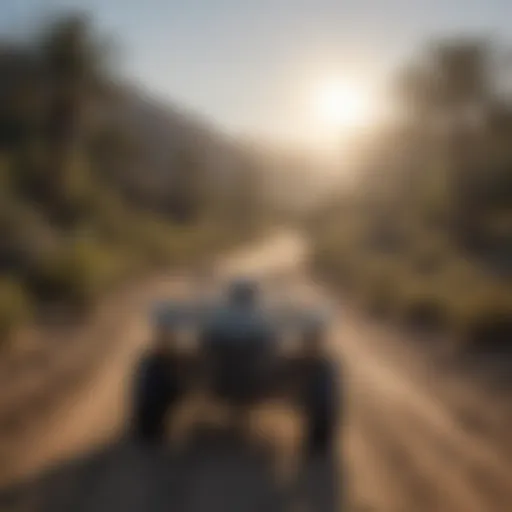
73	223
424	240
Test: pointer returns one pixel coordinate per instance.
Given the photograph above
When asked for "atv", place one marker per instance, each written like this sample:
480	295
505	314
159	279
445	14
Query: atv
297	368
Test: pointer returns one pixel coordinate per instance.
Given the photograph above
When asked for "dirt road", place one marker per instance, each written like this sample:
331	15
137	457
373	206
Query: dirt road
415	439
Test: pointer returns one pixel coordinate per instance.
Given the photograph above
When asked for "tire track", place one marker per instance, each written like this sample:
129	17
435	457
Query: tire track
466	469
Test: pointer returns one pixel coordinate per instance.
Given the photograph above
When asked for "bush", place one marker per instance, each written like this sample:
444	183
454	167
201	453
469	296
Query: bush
486	324
380	299
76	274
28	172
425	313
5	173
489	331
428	263
156	241
15	307
21	247
334	262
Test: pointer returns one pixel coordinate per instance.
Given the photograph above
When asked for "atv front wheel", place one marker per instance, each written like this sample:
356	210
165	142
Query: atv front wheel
321	405
156	390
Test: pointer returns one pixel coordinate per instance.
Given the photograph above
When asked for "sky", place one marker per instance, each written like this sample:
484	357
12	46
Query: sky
253	66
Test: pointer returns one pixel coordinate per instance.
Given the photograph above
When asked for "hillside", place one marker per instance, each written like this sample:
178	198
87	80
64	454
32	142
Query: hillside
99	181
424	240
169	134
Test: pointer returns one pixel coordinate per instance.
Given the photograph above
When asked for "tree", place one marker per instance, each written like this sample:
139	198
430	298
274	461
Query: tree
449	95
73	57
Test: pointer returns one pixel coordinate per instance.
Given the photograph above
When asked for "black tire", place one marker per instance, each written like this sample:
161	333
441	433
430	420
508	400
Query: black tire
321	402
148	424
155	391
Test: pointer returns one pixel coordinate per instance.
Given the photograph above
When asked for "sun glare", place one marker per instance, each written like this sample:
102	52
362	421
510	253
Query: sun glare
342	105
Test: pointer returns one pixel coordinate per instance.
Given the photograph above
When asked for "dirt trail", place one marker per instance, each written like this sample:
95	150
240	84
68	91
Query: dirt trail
409	443
409	428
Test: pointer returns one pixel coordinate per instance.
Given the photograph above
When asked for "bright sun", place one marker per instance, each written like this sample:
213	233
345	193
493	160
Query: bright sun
342	105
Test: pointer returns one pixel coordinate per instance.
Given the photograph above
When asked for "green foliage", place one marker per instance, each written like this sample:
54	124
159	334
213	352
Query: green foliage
423	309
489	328
73	224
15	307
380	298
431	247
76	273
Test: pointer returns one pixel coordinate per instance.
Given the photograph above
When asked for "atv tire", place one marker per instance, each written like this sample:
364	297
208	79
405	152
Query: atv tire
156	390
321	403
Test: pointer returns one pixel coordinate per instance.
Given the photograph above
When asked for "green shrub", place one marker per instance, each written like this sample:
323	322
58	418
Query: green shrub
380	298
76	273
419	300
426	313
490	331
428	263
15	307
486	322
28	172
156	242
5	173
